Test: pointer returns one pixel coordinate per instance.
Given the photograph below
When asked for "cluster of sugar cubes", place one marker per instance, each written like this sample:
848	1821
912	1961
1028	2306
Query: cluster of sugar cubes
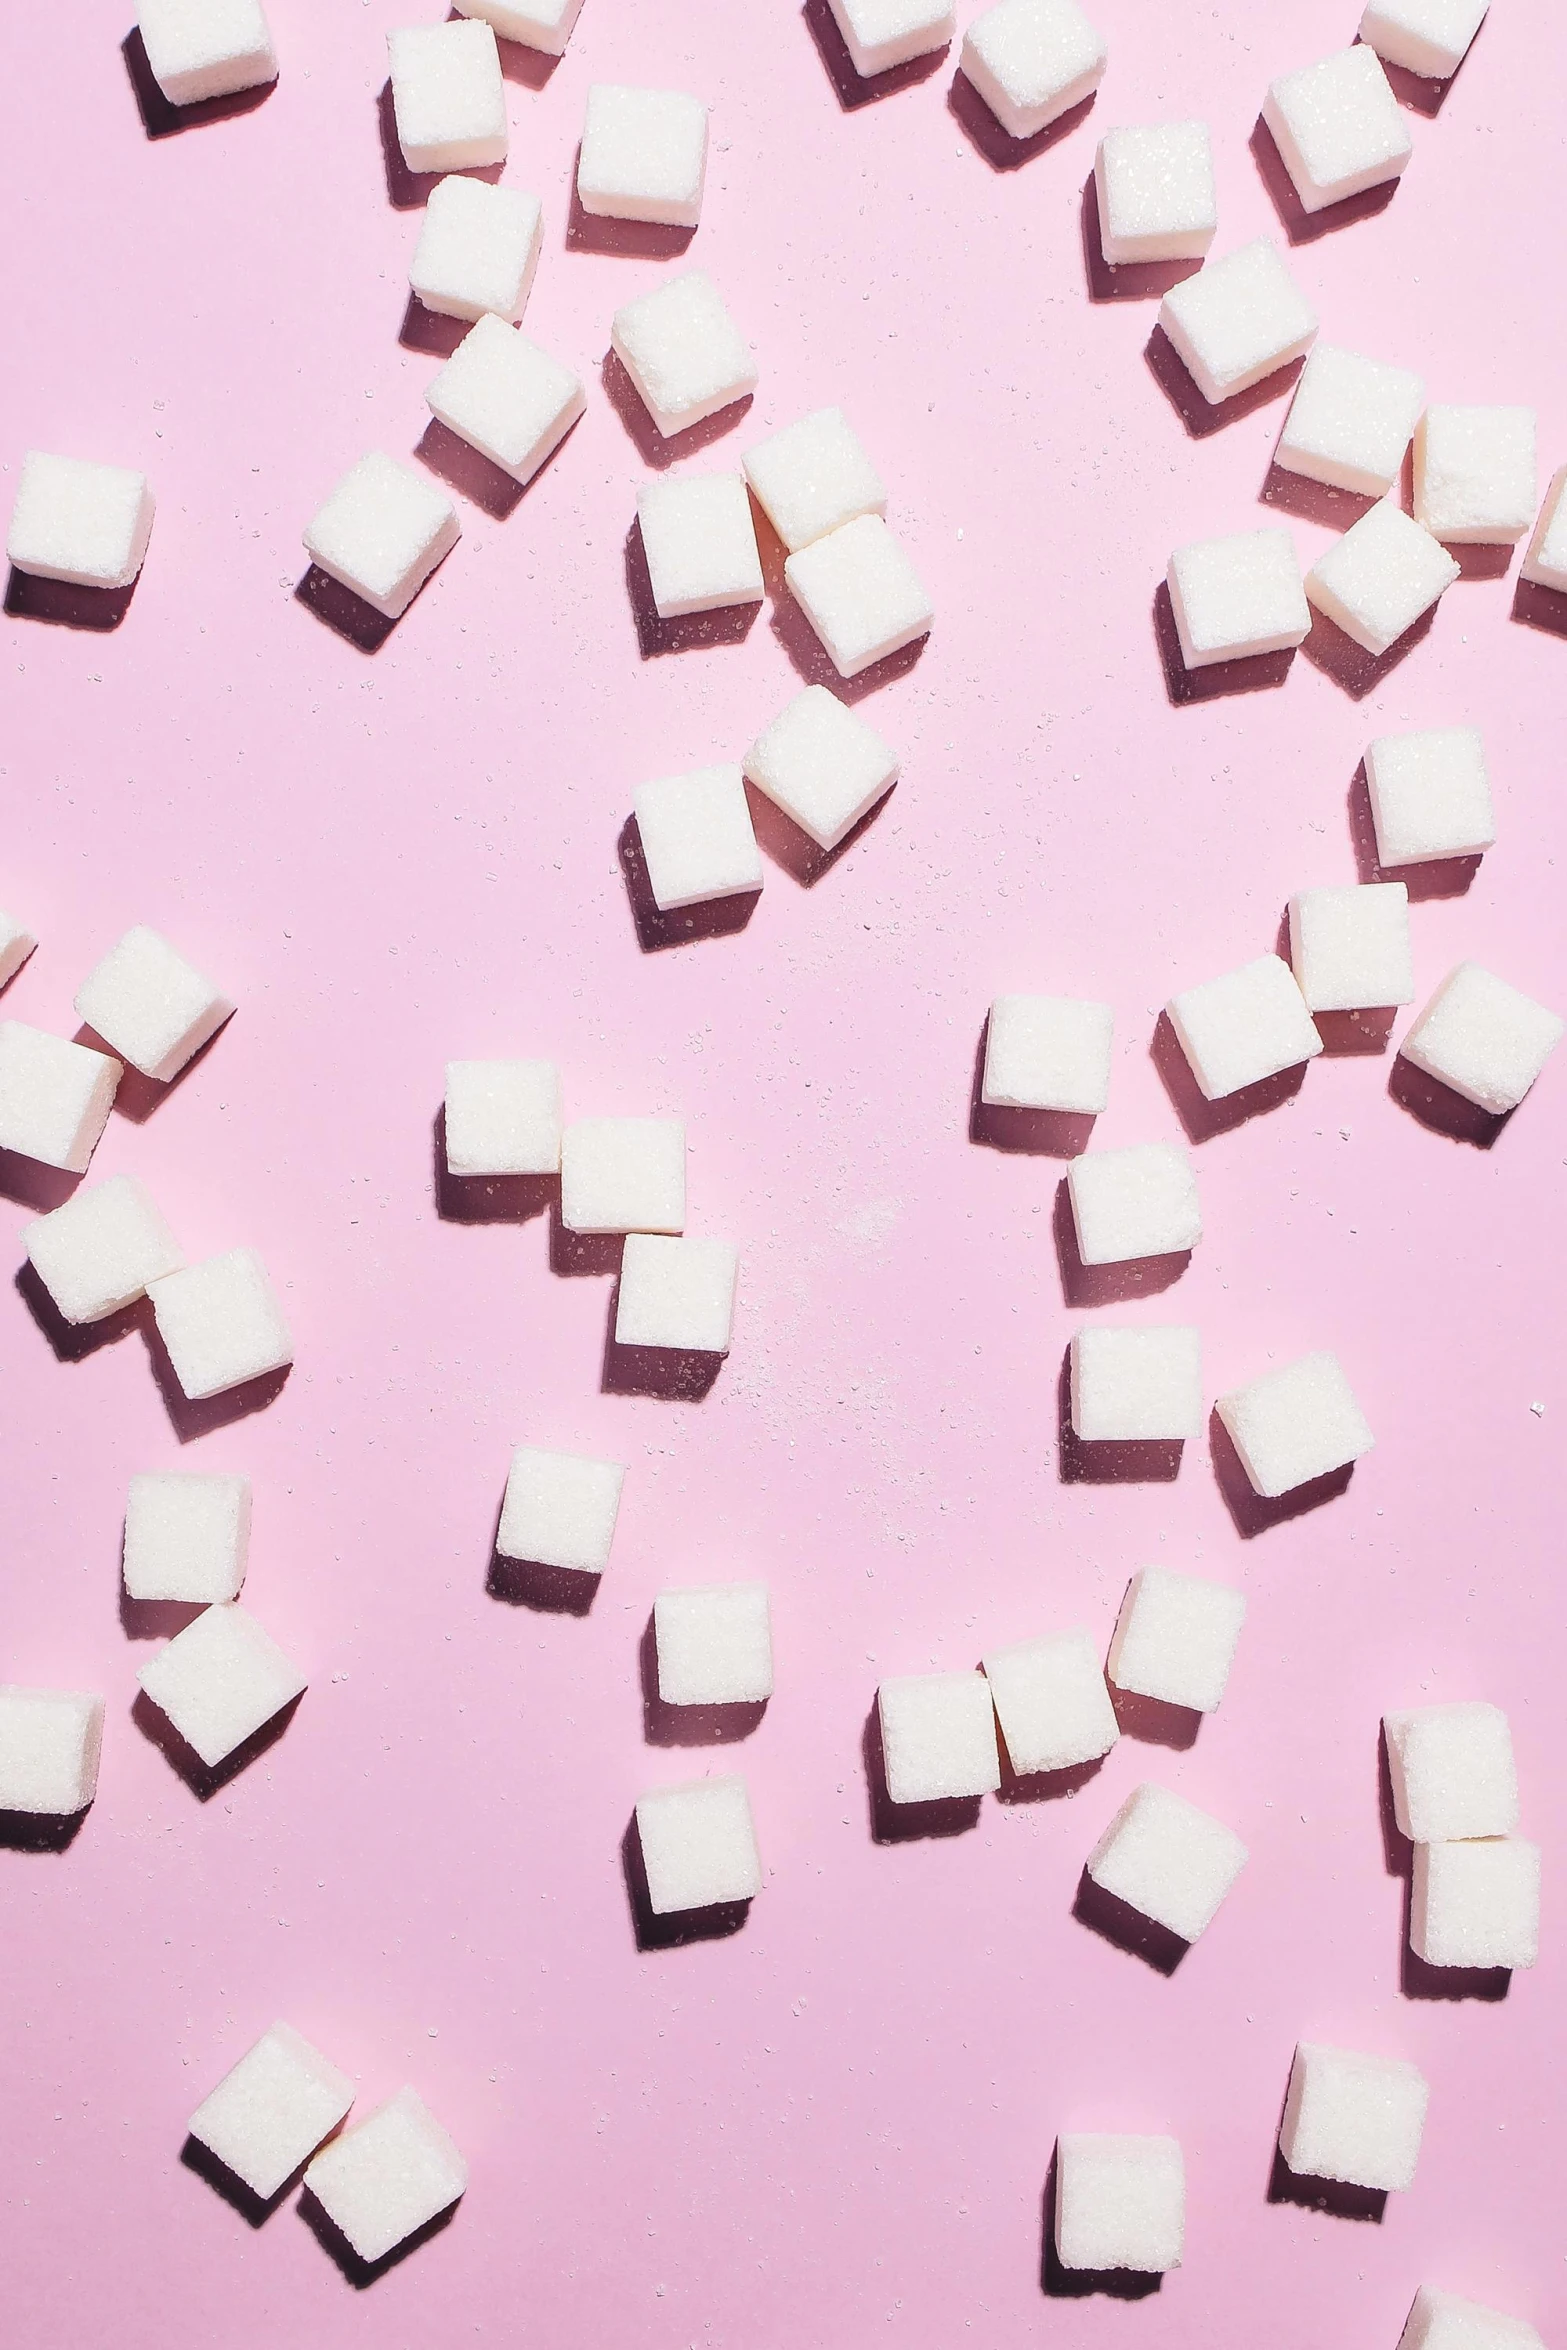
1475	1894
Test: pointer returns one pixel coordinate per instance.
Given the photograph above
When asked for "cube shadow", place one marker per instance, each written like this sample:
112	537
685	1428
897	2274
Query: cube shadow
1300	226
657	450
1046	1134
1321	502
664	1374
781	839
1042	1786
656	930
1060	2283
907	1823
1539	607
1200	417
487	1199
995	144
1253	1513
203	1779
633	240
673	1929
159	119
849	88
65	603
1130	281
1107	1285
1352	669
253	2209
75	1342
731	624
1443	877
688	1725
1115	1921
190	1417
1201	1118
408	191
1331	2196
468	471
1258	673
1139	1461
41	1831
340	610
363	2273
1154	1721
1444	1112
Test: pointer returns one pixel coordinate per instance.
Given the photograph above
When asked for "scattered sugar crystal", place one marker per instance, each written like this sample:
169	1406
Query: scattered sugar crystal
1175	1638
813	477
1476	1903
220	1681
1167	1860
1475	477
1430	795
1051	1701
388	2176
206	48
1337	127
1546	561
560	1510
502	1118
643	155
1244	1027
1351	947
383	530
1452	1772
537	24
87	525
55	1097
700	543
683	351
1154	186
267	2115
1376	581
697	837
1431	38
860	593
478	249
1357	2119
1483	1039
187	1536
506	398
98	1252
880	34
1296	1423
822	765
49	1745
698	1844
16	944
1120	2202
623	1175
1048	1052
1236	597
677	1293
448	97
1238	320
1139	1202
1441	2321
938	1737
221	1323
150	1006
1350	421
1136	1386
714	1644
1033	61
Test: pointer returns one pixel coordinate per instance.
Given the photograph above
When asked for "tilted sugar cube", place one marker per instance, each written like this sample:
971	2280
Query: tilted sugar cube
150	1006
1032	61
1051	1701
938	1737
382	532
187	1537
220	1681
1357	2119
1243	1027
1546	561
697	837
1486	1041
714	1644
1048	1052
700	543
1441	2321
50	1740
506	398
1337	127
880	34
822	765
16	944
1296	1423
860	593
86	525
1238	320
1234	598
270	2112
1431	38
1452	1772
1380	577
677	1293
683	351
221	1323
1139	1202
1350	421
560	1510
478	249
623	1175
1476	1903
1475	480
1175	1638
55	1097
1167	1860
388	2176
1136	1386
99	1251
1350	947
813	477
206	48
698	1845
538	24
1430	795
1120	2202
643	155
448	98
1153	183
502	1118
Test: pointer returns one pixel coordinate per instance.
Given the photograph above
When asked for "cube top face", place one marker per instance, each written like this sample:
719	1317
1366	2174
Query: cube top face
880	34
1350	421
506	398
50	1740
1351	947
1032	61
55	1096
623	1175
206	48
698	1845
1476	1903
678	1294
1051	1701
150	1006
1168	1860
1427	37
700	543
683	351
938	1737
822	765
560	1510
98	1252
860	593
383	530
697	837
1452	1772
1243	1027
1046	1052
1234	598
87	525
220	1680
388	2176
1475	478
1380	577
643	155
538	24
448	96
1139	1202
1296	1423
1357	2119
187	1537
813	477
1441	2321
1338	127
478	249
502	1118
1430	795
1546	561
714	1643
221	1323
1175	1639
267	2116
1238	320
1484	1040
1120	2202
1157	202
1136	1386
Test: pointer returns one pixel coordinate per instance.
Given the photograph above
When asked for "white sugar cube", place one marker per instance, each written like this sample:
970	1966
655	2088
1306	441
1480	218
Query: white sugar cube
1350	947
55	1097
1337	127
1048	1052
1452	1772
388	2176
1484	1039
1233	598
187	1537
502	1118
880	34
1139	1202
698	1845
1136	1386
206	48
99	1251
683	351
152	1007
85	524
1167	1860
1377	580
822	765
1350	421
1357	2119
270	2112
1033	60
16	944
1175	1638
643	155
50	1741
697	837
1051	1701
221	1323
537	24
700	543
1243	1027
714	1644
1431	38
1120	2202
1430	795
860	593
938	1737
506	398
813	477
1153	182
623	1175
560	1510
1475	479
220	1681
448	98
382	532
1476	1903
1546	561
1294	1424
478	249
677	1293
1238	320
1441	2321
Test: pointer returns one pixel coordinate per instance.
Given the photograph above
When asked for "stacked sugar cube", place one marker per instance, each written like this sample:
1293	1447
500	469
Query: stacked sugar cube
1476	1892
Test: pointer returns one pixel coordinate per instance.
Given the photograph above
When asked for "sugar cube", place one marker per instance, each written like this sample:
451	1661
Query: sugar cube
388	2176
1136	1386
16	944
860	593
1051	1701
85	524
1357	2119
700	543
1350	421
1377	580
1483	1039
560	1510
1431	38
1238	320
220	1681
1430	795
1337	127
1167	1860
1048	1052
270	2112
1153	183
938	1737
1475	474
683	351
1243	1027
1441	2321
1175	1638
206	48
502	1118
813	477
55	1096
1236	597
1452	1772
187	1536
643	155
677	1293
697	837
822	765
221	1323
382	532
99	1251
1296	1423
1032	61
448	98
150	1006
1350	947
50	1741
1476	1903
537	24
1546	561
880	34
1139	1202
1120	2202
506	398
698	1844
623	1175
478	249
714	1643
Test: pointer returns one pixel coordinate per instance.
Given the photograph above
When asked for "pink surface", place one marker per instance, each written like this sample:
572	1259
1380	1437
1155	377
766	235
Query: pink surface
835	2125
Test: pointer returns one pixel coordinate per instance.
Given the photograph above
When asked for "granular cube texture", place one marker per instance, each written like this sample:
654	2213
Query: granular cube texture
187	1537
1475	479
220	1681
1139	1202
677	1293
1136	1386
1167	1860
1244	1027
448	98
880	34
150	1006
1238	320
643	155
698	1845
1033	61
1175	1638
714	1643
1048	1052
267	2116
1296	1423
55	1097
1476	1903
1120	2202
506	398
697	837
1338	127
388	2176
1546	561
382	532
16	944
623	1175
1350	947
478	249
683	351
206	48
1441	2321
1153	183
1237	597
860	593
822	764
99	1250
560	1510
537	24
1051	1701
938	1737
502	1118
1430	795
221	1323
1357	2119
49	1745
1452	1772
700	543
813	477
1431	38
1350	421
86	525
1378	579
1483	1039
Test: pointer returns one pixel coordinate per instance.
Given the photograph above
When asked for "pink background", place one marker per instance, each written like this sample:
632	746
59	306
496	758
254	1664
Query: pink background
836	2124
